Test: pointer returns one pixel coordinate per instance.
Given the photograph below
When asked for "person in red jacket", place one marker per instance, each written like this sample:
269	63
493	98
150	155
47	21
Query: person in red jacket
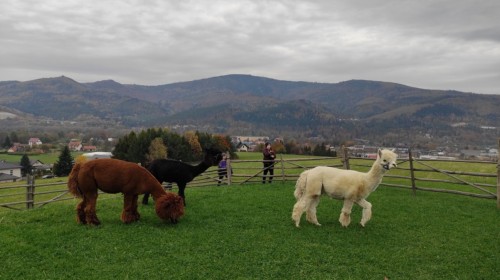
269	157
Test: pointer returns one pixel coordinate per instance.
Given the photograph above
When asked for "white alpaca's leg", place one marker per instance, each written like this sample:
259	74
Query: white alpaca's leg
311	211
367	211
345	215
298	209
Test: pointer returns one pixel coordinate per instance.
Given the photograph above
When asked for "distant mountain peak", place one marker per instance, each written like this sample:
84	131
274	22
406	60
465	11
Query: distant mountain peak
105	84
57	84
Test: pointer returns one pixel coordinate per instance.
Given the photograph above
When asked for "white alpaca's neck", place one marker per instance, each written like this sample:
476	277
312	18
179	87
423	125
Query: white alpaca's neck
375	175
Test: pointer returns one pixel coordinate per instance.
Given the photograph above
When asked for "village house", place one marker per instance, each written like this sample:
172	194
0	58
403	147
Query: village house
17	148
75	145
248	143
242	147
89	148
39	167
34	142
9	172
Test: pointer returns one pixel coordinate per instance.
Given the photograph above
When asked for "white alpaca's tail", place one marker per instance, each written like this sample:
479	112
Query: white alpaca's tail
300	186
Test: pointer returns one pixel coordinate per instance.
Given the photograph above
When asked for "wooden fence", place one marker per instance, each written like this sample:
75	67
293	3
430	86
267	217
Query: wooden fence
412	174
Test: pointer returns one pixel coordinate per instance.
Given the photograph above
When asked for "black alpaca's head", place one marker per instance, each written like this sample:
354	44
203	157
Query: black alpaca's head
213	156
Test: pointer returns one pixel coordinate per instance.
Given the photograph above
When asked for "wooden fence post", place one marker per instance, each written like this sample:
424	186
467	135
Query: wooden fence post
498	177
30	191
229	170
282	169
345	158
412	172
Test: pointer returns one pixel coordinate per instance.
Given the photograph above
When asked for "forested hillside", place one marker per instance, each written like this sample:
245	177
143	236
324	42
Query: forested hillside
244	104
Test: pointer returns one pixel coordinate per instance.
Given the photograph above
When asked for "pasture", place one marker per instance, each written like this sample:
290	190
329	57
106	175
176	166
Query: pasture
47	158
246	232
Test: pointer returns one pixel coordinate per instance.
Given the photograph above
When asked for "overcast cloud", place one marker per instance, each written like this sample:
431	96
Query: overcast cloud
446	44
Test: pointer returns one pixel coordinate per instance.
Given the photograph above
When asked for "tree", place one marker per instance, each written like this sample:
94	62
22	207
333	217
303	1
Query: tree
193	141
291	147
25	165
63	166
7	143
278	148
223	143
157	150
136	147
123	147
14	138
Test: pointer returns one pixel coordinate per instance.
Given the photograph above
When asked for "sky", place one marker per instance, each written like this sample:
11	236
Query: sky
442	44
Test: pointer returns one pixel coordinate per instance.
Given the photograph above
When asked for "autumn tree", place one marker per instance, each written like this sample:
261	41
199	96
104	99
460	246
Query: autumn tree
80	159
157	150
224	144
278	147
193	141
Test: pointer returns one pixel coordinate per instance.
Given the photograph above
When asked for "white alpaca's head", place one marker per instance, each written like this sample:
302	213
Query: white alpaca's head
387	159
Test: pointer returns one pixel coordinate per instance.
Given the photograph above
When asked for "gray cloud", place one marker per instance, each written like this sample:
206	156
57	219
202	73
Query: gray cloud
428	44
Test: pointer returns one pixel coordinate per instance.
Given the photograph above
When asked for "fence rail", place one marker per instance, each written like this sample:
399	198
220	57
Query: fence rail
412	174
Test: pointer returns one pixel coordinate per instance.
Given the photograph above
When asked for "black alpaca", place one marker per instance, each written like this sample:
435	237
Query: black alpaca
174	171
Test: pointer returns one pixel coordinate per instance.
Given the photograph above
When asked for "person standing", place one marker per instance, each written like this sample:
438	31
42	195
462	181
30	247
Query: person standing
222	168
269	157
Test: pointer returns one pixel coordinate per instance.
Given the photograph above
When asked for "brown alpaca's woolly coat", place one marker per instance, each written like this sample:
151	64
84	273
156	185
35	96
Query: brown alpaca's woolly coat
114	176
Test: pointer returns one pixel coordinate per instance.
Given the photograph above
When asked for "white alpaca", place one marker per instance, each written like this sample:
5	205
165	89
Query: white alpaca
349	185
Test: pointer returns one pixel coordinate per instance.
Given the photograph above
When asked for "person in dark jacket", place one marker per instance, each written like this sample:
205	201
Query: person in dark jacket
269	157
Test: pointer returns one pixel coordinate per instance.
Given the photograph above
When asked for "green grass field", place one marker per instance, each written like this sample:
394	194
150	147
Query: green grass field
48	158
245	232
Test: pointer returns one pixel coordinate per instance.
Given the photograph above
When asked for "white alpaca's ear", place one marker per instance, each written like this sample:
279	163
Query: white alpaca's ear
379	153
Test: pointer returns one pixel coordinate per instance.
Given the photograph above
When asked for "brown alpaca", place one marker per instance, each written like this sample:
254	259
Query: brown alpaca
114	176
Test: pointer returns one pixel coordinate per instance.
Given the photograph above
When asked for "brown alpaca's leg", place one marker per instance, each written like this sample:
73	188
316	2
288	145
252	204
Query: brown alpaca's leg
129	213
145	198
136	213
80	212
90	214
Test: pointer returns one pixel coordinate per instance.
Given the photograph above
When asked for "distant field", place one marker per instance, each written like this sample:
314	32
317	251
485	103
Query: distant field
48	158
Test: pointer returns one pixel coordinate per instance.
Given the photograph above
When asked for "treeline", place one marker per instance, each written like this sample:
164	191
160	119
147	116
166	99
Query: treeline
293	147
154	143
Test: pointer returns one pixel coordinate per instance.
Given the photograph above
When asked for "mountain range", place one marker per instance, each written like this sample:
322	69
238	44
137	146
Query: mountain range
381	112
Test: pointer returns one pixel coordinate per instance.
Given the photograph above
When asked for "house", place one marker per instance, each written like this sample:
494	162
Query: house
17	148
40	167
75	145
250	139
242	147
34	142
470	154
89	148
9	172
